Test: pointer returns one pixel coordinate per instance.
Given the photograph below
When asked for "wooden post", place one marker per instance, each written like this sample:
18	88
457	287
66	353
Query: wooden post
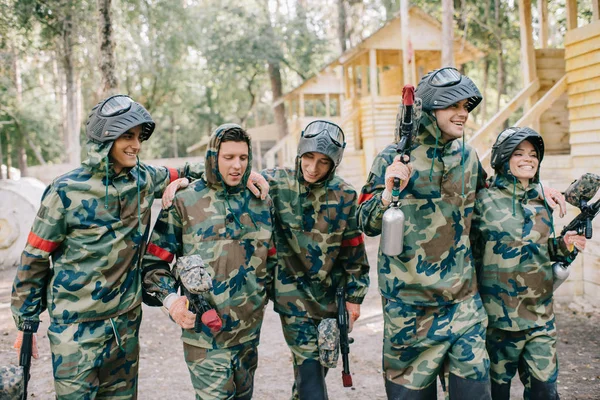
527	50
595	10
571	8
448	33
408	64
373	73
543	12
364	67
301	101
327	112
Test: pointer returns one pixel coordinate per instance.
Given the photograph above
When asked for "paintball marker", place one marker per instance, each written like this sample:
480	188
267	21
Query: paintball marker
344	325
196	280
578	194
407	125
25	355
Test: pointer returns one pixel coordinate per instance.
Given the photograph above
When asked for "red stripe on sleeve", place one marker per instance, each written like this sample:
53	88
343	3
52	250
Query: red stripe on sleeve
173	174
160	253
364	197
42	244
272	251
355	241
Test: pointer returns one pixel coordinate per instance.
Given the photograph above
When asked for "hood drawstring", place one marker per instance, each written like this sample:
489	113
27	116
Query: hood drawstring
437	140
327	206
549	212
106	184
138	196
462	162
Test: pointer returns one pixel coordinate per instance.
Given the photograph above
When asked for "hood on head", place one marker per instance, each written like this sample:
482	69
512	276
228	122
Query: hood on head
97	155
211	162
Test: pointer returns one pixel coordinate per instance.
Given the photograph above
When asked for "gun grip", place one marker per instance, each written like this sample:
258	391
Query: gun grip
346	379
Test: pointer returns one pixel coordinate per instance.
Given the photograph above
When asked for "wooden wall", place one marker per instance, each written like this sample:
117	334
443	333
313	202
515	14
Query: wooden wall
554	123
582	54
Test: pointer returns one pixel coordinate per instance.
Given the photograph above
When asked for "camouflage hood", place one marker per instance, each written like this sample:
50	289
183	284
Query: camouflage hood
97	159
211	163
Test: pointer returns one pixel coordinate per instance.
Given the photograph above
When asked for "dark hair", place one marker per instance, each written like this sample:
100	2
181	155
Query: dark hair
236	135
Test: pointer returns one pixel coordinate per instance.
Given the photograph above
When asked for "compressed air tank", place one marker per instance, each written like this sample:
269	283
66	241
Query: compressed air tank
19	203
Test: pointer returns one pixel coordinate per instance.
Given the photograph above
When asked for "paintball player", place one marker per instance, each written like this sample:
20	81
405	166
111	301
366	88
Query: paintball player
319	248
217	219
93	223
434	319
513	249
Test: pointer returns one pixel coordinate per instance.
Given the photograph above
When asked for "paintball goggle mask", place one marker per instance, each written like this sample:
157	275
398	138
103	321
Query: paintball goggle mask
193	274
323	137
114	116
441	88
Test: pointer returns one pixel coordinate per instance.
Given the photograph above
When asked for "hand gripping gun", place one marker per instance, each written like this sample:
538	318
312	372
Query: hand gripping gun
578	194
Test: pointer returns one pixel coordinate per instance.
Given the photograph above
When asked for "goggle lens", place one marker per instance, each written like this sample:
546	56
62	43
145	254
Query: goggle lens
116	105
334	132
445	77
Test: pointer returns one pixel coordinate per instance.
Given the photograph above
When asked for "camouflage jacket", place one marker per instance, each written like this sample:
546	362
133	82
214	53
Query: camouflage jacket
435	267
232	231
319	245
92	239
512	248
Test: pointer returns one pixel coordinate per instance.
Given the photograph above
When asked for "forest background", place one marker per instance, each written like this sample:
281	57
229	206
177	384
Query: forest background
195	64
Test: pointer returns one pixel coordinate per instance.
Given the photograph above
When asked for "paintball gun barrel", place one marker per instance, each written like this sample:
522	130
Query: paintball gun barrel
25	355
344	326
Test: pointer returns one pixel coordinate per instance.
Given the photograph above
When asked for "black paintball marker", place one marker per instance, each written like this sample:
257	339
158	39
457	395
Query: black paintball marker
344	326
25	354
578	194
407	125
205	313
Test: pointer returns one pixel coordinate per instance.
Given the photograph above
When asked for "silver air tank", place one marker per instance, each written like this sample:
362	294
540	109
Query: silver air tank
392	231
561	273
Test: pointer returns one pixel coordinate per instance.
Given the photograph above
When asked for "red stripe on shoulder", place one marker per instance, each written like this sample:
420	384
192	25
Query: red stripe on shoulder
364	197
355	241
173	174
160	252
41	244
272	251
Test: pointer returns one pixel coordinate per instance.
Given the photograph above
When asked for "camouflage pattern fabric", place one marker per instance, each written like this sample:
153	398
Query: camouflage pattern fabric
226	373
11	383
318	244
231	231
95	359
512	246
193	275
583	188
532	352
301	335
329	342
93	241
435	267
419	340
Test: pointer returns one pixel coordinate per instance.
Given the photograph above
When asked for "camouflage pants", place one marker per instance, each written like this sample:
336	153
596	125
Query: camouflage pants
419	341
222	373
301	336
531	352
96	359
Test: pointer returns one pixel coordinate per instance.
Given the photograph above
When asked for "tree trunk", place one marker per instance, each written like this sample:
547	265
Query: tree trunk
277	89
499	56
21	153
342	24
447	33
72	146
107	49
486	77
174	146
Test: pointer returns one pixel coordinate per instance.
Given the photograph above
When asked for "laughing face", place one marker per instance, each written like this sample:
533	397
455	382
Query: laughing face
125	149
232	161
524	162
315	166
452	120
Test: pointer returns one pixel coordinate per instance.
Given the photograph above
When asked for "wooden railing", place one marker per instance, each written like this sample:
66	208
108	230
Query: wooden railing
543	104
482	140
285	151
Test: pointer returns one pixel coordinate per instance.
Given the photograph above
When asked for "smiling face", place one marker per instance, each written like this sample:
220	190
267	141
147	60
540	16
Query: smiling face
452	120
232	161
315	166
524	162
125	149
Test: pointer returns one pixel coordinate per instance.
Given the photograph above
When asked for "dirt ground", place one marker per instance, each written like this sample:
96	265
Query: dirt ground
163	371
